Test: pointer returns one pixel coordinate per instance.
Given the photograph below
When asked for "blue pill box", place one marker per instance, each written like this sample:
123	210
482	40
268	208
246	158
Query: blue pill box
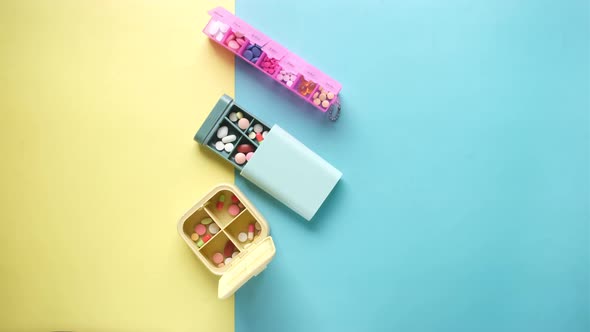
277	162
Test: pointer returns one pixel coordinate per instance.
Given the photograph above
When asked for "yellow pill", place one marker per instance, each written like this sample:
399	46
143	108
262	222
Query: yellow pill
195	237
322	96
325	103
330	95
220	265
239	115
317	101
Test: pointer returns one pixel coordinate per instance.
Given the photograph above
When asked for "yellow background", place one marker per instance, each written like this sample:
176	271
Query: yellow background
99	101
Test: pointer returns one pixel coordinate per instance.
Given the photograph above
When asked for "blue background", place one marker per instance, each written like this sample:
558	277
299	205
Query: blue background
464	143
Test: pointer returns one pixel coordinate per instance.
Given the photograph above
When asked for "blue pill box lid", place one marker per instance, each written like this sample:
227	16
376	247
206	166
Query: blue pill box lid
292	173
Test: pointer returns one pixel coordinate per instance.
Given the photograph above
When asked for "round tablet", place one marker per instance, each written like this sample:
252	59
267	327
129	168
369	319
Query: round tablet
325	103
258	128
233	117
233	209
317	101
220	265
228	147
322	96
330	95
219	145
264	133
213	228
242	237
249	155
195	237
252	135
217	258
200	229
257	226
227	260
234	254
240	158
243	123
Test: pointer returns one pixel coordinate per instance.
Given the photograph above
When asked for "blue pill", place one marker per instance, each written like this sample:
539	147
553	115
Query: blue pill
248	54
250	47
256	51
254	59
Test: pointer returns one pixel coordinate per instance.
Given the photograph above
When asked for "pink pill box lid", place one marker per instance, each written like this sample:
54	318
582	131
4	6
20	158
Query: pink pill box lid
251	260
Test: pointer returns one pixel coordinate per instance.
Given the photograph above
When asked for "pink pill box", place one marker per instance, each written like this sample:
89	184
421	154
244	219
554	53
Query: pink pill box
277	62
237	246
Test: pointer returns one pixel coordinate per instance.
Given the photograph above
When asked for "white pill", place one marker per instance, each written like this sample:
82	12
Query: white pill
234	254
233	117
219	36
228	138
257	226
264	134
280	77
213	228
228	147
252	135
258	128
219	145
242	237
223	27
289	83
222	132
214	28
227	260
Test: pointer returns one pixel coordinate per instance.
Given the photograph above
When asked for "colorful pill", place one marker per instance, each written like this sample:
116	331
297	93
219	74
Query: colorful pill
330	95
234	199
257	226
243	123
219	206
240	205
206	221
233	210
206	238
200	229
252	135
245	148
259	137
233	44
217	258
228	249
200	243
195	237
213	228
251	232
242	237
239	115
325	103
240	158
249	155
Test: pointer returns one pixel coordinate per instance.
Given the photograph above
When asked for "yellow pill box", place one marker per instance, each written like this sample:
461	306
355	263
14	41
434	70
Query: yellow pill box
250	257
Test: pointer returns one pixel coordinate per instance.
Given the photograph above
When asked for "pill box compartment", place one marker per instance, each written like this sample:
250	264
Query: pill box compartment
243	140
240	225
219	117
250	260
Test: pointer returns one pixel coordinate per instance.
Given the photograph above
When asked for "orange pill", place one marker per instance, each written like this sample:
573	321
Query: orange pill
317	101
330	95
322	96
325	104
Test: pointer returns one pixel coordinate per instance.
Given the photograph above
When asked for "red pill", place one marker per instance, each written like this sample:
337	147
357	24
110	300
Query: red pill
259	137
245	148
229	249
235	199
219	206
206	238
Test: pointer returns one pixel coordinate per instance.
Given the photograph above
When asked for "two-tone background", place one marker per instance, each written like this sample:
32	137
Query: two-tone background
464	144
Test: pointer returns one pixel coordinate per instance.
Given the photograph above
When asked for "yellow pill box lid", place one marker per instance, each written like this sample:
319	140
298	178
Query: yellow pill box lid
252	257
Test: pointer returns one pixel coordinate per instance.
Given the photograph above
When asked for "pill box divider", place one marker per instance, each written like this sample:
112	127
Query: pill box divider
310	97
223	217
240	224
216	244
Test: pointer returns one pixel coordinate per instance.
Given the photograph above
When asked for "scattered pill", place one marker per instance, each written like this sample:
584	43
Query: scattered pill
200	229
235	199
233	44
317	101
195	237
233	117
206	221
222	132
228	138
220	201
270	65
240	158
249	155
228	147
200	243
243	123
330	95
242	237
258	128
227	260
251	232
228	249
206	237
233	210
213	228
235	40
217	258
219	146
245	148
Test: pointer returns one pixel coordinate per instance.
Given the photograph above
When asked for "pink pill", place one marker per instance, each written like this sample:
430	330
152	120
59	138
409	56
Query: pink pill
249	155
200	229
233	45
240	41
243	123
239	34
217	258
240	158
234	210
